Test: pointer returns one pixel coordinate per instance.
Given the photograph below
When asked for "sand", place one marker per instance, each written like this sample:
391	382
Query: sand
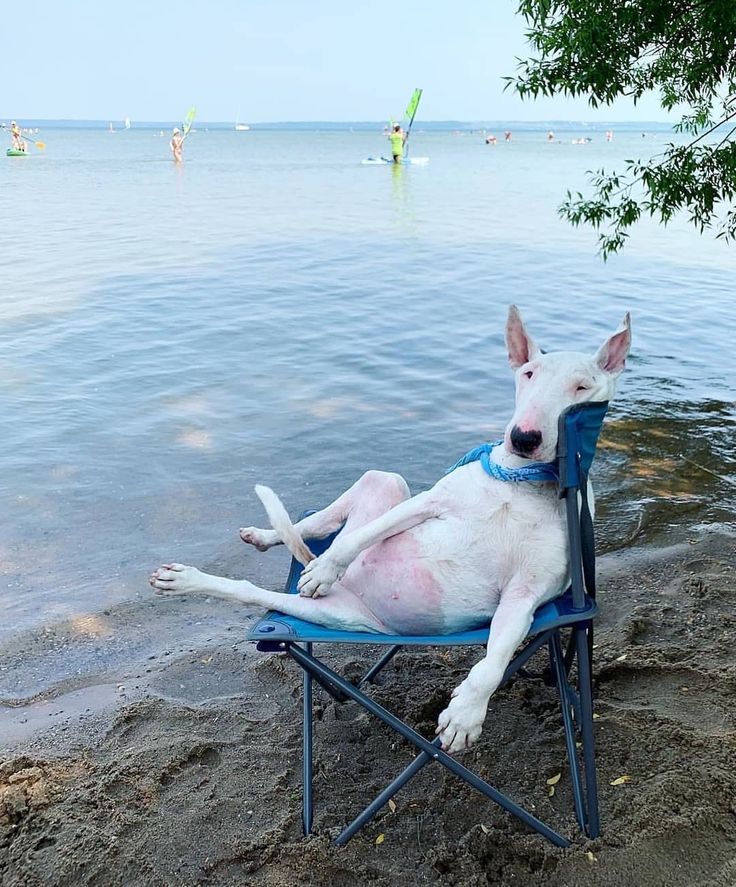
168	753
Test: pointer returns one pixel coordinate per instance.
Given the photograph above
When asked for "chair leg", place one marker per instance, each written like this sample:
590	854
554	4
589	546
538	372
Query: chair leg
565	693
307	752
391	789
379	665
585	686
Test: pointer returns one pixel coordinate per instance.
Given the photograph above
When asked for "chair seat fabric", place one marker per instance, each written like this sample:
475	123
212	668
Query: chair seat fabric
278	627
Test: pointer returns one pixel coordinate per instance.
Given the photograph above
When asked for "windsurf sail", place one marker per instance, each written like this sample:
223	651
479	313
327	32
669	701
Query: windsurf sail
410	114
127	122
188	121
411	108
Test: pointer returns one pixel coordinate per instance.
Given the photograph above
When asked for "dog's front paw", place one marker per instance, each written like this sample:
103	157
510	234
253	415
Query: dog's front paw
461	723
319	575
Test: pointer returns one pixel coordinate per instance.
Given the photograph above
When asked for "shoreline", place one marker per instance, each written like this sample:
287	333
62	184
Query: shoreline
171	757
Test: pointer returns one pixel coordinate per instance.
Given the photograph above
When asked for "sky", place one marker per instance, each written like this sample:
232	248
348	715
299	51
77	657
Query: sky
273	60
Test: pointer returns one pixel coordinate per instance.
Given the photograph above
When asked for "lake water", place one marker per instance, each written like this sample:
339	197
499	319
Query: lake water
274	311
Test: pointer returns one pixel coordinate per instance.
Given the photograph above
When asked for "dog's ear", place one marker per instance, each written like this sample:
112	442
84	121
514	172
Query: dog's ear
611	356
521	347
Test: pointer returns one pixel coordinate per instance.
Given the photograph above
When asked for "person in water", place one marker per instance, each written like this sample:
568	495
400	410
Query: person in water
177	140
18	142
397	139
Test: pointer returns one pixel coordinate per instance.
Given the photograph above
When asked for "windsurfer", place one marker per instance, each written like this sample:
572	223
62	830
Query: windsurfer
397	139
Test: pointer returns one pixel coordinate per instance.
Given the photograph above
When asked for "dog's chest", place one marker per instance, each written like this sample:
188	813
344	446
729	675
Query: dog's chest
498	522
469	493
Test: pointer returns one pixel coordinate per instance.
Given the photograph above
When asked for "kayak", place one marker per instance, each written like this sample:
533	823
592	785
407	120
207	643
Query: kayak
415	161
14	152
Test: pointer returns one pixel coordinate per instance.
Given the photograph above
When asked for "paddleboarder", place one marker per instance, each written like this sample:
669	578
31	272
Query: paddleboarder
18	143
397	139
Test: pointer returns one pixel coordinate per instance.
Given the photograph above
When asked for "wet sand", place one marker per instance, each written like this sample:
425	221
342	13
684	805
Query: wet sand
166	751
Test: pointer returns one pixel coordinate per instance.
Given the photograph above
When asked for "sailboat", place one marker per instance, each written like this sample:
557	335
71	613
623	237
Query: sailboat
127	122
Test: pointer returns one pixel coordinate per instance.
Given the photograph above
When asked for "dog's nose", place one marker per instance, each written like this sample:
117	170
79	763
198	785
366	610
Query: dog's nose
525	442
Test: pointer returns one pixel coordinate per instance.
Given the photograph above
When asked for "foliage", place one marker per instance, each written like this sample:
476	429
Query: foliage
685	51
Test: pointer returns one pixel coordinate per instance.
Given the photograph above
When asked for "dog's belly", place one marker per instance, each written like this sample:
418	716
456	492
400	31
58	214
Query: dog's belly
414	587
447	573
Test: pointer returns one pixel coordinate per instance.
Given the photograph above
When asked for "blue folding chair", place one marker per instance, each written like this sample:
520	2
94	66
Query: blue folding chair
579	428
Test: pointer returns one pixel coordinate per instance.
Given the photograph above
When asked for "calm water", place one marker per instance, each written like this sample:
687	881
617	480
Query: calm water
274	311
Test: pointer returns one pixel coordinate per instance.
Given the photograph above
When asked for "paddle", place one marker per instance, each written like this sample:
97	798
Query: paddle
36	142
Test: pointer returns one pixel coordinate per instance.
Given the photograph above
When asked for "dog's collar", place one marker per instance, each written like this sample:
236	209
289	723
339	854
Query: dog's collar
534	471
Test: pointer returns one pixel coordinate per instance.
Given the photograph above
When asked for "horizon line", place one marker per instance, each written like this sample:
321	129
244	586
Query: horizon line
543	120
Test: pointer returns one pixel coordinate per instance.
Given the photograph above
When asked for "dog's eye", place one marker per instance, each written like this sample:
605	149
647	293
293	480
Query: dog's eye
583	388
528	374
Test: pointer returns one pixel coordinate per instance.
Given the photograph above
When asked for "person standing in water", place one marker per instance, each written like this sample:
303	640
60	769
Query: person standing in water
177	140
397	139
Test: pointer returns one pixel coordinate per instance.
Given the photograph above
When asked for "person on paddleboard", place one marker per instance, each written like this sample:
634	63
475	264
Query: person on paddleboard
177	140
397	139
18	142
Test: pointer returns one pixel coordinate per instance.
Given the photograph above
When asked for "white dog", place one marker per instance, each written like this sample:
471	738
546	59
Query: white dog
471	549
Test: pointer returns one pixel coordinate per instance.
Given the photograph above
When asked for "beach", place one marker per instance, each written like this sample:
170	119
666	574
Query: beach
305	319
185	768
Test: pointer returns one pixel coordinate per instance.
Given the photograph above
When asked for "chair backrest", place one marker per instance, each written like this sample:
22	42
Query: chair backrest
578	430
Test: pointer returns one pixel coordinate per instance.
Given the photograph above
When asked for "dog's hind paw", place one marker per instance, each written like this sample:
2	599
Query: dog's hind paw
176	579
260	539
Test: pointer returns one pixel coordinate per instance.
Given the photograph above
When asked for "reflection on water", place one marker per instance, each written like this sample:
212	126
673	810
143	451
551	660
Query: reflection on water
671	468
402	179
265	317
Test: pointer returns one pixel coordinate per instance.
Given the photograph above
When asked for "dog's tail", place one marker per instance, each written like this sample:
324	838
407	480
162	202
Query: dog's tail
281	522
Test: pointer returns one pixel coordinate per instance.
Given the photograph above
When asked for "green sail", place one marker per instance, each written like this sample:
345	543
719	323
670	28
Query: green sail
411	108
189	120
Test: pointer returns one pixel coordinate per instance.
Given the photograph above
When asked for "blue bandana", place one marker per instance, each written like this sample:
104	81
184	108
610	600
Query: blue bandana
534	471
